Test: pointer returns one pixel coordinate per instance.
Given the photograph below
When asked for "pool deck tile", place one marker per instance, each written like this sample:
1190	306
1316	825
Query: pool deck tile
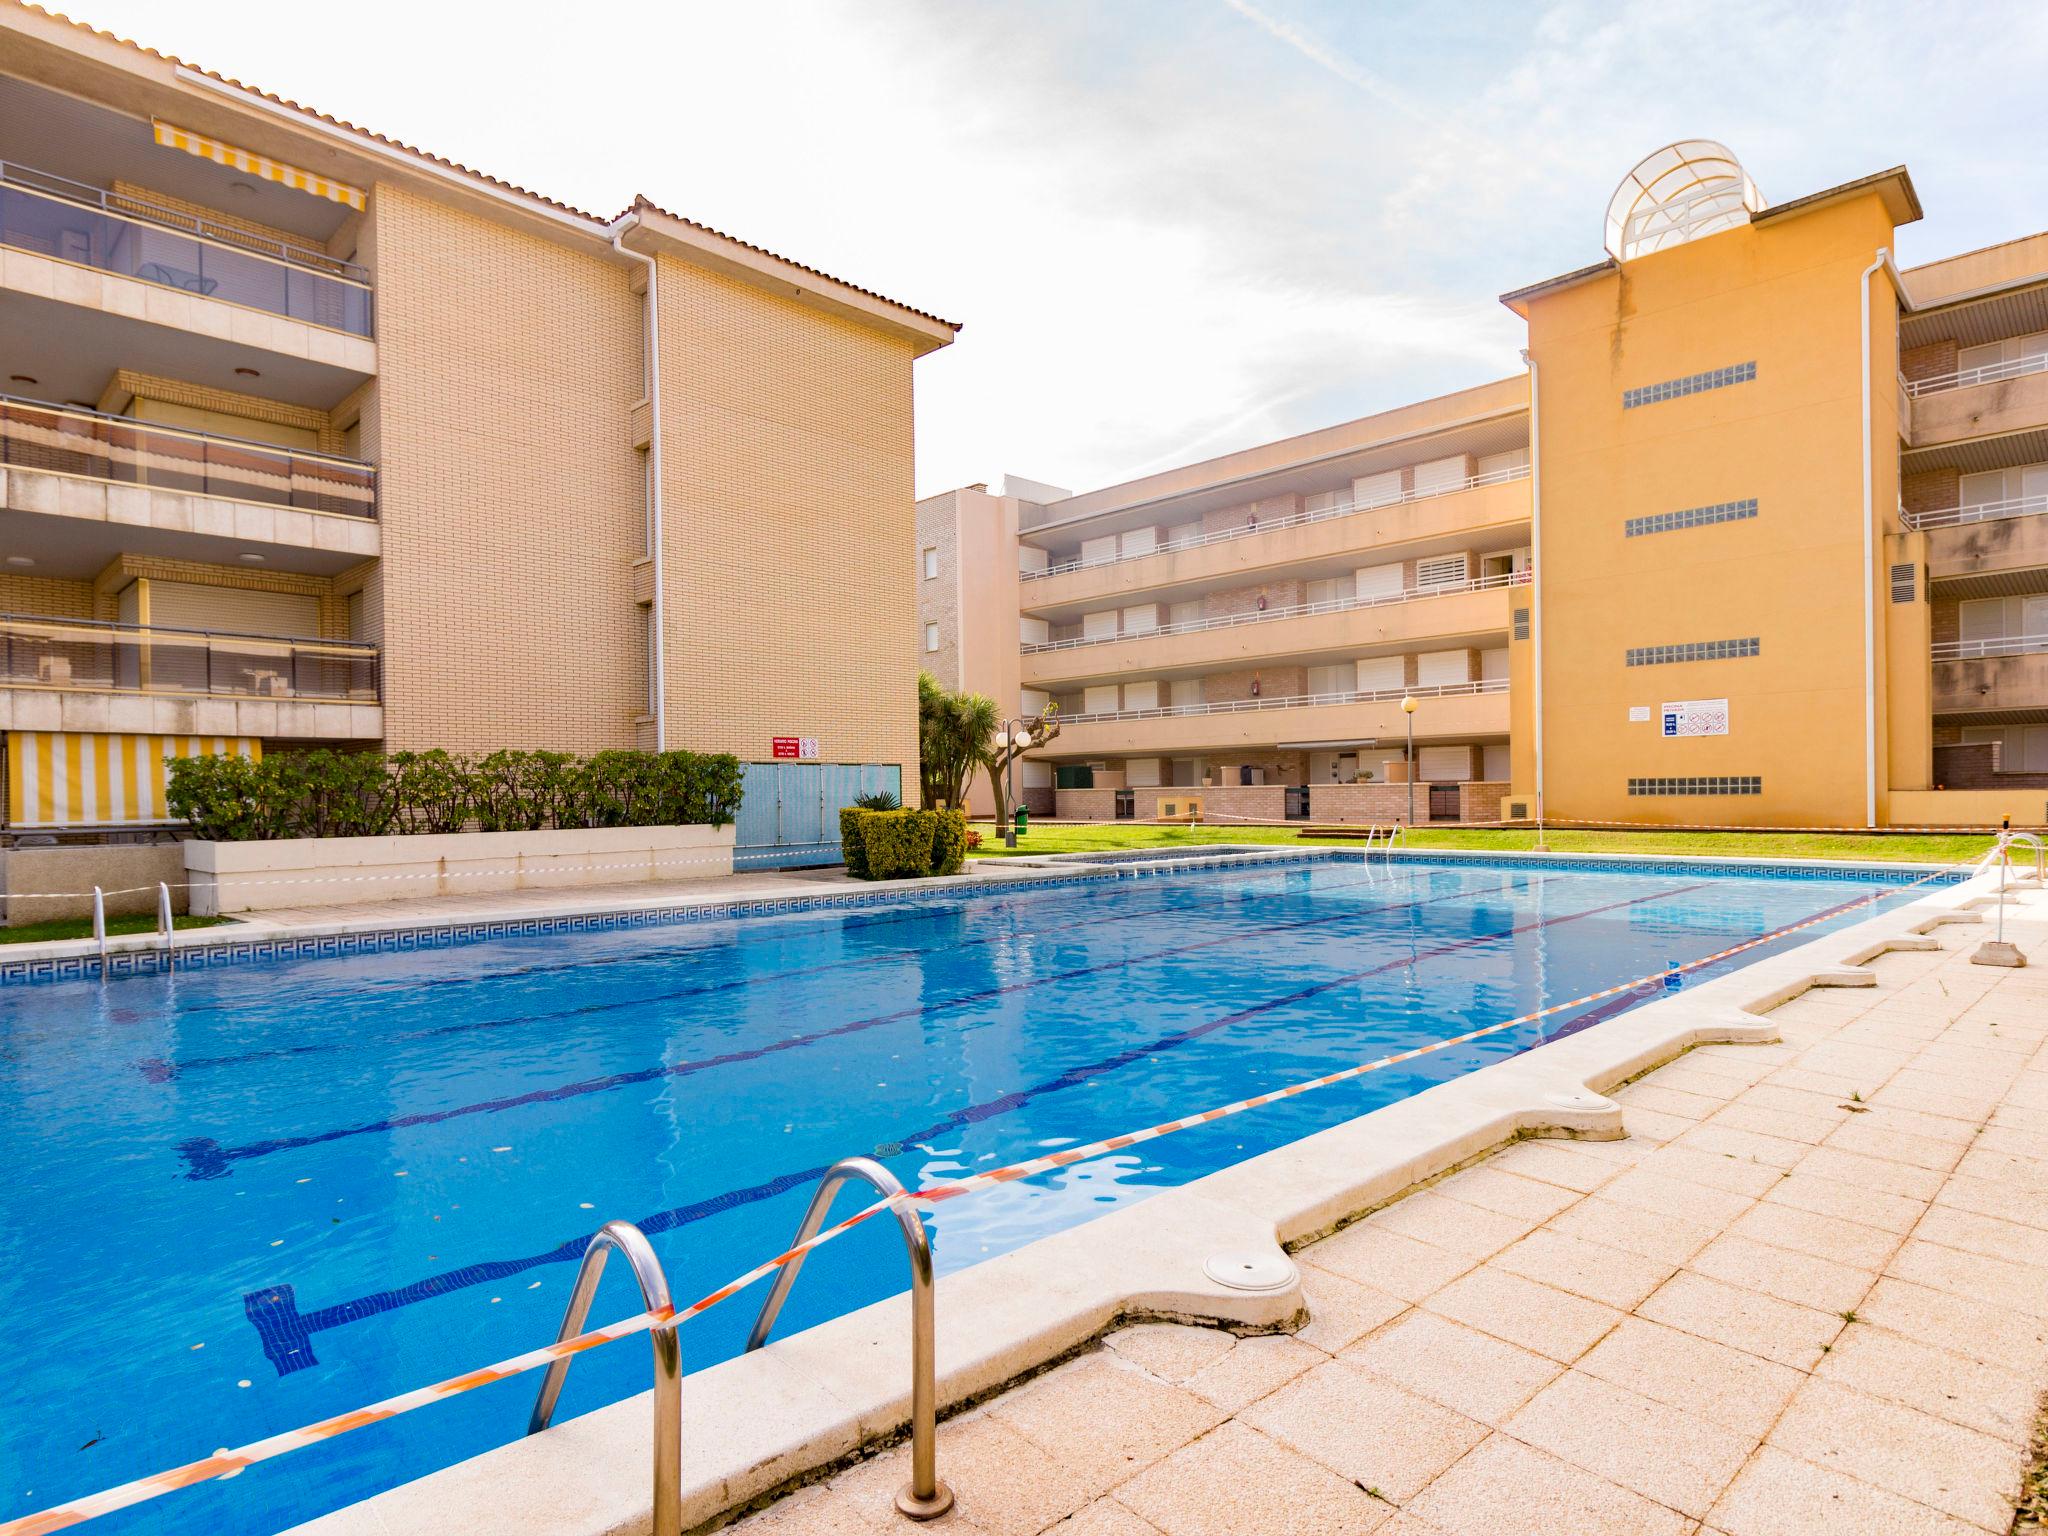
1773	1315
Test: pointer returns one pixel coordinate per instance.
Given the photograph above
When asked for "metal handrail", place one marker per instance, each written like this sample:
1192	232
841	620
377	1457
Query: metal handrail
1293	701
141	210
668	1361
924	1497
1296	611
1977	512
2034	841
109	630
1291	520
1984	373
2004	645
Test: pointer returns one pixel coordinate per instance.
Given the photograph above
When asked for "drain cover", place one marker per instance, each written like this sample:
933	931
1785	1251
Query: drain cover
1578	1101
1251	1271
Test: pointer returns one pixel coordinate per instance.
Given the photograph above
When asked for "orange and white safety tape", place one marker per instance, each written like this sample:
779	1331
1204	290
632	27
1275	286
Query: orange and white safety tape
228	1462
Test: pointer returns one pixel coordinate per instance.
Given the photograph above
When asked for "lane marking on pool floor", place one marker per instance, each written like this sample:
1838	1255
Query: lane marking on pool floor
162	1070
228	1462
206	1158
286	1334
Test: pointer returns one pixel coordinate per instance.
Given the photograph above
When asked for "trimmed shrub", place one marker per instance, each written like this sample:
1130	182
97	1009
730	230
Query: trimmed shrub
898	844
853	842
949	842
322	793
878	800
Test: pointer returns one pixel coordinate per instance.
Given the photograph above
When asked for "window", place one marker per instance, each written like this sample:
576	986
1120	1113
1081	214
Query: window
931	638
2022	748
1693	650
2023	617
2005	359
2026	484
1712	784
1691	384
1691	517
931	564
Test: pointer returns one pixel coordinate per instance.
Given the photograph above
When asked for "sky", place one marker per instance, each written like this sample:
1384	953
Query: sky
1172	228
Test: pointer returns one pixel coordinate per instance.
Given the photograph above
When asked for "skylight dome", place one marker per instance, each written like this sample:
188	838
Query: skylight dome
1679	193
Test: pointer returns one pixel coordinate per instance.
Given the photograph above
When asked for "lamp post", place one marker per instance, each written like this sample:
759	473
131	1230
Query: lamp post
1408	709
1009	733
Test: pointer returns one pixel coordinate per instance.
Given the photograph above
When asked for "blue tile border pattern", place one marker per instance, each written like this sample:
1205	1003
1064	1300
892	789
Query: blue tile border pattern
283	946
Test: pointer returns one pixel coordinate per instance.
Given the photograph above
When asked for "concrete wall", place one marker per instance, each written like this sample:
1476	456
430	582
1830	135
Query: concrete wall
78	868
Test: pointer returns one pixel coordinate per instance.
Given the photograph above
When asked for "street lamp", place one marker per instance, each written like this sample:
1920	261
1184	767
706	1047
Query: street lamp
1408	709
1009	733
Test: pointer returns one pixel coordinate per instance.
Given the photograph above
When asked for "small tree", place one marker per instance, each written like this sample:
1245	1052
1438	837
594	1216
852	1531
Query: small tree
953	730
997	759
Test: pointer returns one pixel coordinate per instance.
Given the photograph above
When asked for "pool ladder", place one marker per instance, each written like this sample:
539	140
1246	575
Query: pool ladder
1393	836
924	1497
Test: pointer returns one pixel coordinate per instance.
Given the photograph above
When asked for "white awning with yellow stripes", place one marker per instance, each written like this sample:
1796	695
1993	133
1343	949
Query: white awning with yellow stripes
172	137
81	779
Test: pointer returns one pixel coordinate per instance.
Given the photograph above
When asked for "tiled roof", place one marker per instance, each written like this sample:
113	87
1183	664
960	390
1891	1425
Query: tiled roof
453	165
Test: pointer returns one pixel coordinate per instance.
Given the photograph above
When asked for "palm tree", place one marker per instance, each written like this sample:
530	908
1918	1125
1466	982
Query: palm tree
953	732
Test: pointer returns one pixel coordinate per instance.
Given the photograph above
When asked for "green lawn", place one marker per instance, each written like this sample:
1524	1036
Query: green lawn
1104	837
81	928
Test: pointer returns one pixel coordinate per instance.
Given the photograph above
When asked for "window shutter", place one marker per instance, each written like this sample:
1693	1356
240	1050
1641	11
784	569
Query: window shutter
1903	582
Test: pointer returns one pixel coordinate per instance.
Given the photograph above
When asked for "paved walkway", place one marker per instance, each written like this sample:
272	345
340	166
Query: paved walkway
1809	1293
473	906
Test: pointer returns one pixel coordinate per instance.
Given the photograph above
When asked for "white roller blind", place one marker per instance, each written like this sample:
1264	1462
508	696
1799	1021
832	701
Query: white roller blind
1376	490
1185	691
1378	674
1434	668
1377	580
1440	475
1340	677
1141	620
1141	695
1444	765
1139	541
1033	631
1103	548
1099	701
1098	626
1493	664
1496	763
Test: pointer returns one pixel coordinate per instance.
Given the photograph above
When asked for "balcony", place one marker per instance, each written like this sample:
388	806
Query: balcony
1477	504
87	675
1446	712
1451	613
1978	402
70	222
1987	539
1988	680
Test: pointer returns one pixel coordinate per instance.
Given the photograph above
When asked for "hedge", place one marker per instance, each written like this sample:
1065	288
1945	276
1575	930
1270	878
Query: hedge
323	793
902	845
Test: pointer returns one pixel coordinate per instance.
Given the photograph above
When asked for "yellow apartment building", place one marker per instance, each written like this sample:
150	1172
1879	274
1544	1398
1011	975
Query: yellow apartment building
1757	539
310	437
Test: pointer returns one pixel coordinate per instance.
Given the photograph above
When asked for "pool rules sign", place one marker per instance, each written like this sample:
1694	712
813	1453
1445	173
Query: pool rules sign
1696	717
797	747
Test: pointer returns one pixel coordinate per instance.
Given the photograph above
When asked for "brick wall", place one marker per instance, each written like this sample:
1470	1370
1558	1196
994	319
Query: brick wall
511	494
1944	621
1480	800
1279	682
1380	804
1085	804
1930	360
1930	490
1238	601
1225	804
45	596
1976	767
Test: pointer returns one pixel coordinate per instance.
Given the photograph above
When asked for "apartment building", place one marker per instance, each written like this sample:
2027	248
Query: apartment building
1756	539
311	437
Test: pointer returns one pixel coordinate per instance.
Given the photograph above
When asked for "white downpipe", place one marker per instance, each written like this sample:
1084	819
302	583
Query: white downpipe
1536	583
1869	561
657	647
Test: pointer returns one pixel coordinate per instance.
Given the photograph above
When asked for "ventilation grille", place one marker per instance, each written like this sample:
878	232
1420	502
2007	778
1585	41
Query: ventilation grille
1521	623
1904	581
1442	571
1518	810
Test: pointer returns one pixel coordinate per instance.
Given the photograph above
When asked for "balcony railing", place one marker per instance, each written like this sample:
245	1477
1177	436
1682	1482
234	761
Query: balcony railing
2004	645
1293	701
1297	611
85	655
1292	520
1987	373
65	440
1982	512
69	221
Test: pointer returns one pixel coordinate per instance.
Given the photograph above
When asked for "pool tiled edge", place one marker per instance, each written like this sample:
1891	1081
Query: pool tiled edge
79	960
788	1413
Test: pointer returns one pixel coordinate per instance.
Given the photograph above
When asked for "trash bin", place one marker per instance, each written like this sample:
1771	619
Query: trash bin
1023	820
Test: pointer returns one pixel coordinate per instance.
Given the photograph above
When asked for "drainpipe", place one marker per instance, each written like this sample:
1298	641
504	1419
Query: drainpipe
657	664
1884	257
1536	581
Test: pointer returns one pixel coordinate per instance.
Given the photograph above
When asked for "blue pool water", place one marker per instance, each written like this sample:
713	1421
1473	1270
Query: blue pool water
240	1199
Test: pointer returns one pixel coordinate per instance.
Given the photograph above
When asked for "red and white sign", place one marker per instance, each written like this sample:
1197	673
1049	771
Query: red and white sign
793	746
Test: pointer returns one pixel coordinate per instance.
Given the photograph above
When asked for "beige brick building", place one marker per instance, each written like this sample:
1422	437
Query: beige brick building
312	437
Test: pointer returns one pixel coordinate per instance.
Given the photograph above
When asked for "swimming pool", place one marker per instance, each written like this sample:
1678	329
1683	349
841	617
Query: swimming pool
245	1197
